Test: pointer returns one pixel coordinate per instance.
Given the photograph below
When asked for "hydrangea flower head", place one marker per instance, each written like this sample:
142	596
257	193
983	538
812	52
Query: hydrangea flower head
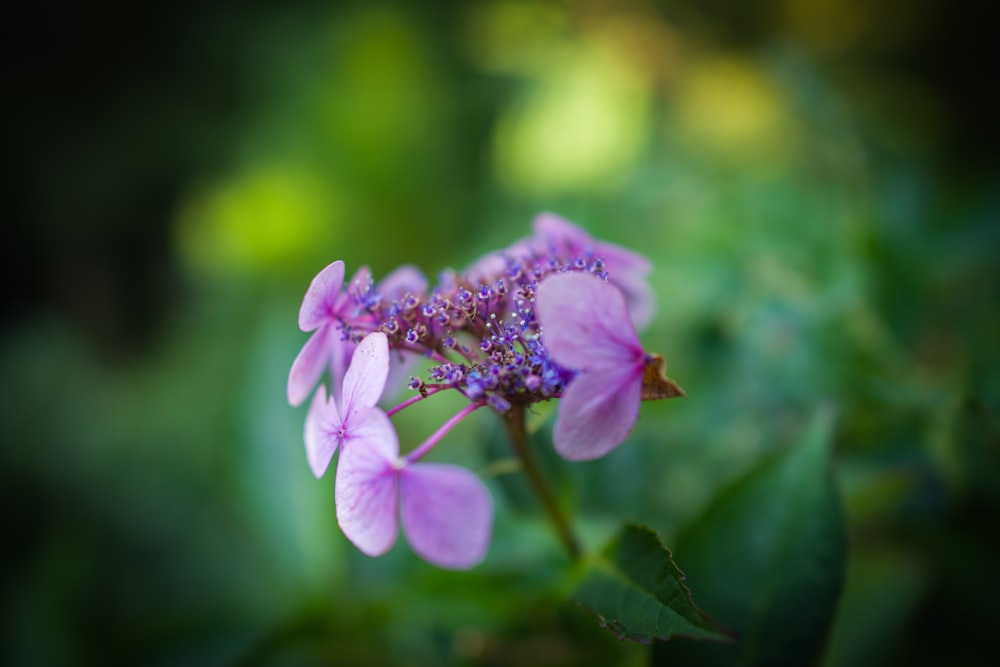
328	427
586	327
549	317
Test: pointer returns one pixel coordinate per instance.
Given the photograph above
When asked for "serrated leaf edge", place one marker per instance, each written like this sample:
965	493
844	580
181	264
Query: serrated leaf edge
618	628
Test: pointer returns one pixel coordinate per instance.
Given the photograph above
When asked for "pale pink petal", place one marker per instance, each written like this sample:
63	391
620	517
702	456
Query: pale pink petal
406	278
322	432
558	230
585	323
555	229
639	295
597	412
621	260
367	490
627	270
320	300
520	249
365	377
487	267
309	365
447	514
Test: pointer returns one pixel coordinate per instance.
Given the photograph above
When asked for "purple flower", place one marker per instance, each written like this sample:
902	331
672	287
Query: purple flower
324	307
332	312
549	316
446	510
625	268
586	327
358	423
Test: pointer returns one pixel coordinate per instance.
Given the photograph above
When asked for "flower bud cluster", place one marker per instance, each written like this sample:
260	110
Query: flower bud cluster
480	325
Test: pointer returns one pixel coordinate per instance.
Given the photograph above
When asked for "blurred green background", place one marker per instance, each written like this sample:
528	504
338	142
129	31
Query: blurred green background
815	181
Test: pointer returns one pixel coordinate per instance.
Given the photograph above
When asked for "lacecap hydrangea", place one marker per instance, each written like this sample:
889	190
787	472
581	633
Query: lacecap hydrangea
551	317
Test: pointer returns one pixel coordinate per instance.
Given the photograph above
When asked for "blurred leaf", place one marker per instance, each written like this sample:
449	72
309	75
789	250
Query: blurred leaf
635	589
873	491
767	559
881	595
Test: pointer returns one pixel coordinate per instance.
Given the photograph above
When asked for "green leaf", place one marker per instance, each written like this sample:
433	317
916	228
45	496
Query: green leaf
767	559
635	589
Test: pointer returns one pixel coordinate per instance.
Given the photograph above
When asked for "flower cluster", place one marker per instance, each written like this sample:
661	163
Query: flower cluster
552	316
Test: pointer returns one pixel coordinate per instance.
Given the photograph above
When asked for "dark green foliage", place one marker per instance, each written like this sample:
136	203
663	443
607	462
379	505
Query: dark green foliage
767	558
638	592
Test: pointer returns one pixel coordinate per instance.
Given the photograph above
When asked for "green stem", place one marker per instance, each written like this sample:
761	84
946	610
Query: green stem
514	419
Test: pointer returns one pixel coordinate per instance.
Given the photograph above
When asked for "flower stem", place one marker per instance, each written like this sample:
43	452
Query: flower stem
413	399
514	420
428	444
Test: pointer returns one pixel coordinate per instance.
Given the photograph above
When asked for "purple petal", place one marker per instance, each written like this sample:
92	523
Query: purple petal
358	287
309	365
322	432
365	377
622	260
558	230
406	278
368	483
447	514
320	300
521	249
596	413
486	267
555	229
627	270
639	296
585	323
